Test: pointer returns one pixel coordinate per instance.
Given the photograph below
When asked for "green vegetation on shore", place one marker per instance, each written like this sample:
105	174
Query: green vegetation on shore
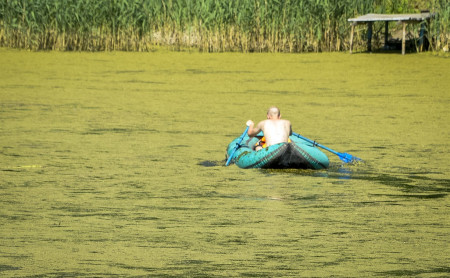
209	25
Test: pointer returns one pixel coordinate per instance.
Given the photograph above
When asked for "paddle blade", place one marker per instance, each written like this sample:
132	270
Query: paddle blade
347	158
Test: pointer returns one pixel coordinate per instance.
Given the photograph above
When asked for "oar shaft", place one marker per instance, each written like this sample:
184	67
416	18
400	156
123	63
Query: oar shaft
237	146
315	143
343	156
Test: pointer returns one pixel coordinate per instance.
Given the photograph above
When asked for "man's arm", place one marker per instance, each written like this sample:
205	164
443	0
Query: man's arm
253	131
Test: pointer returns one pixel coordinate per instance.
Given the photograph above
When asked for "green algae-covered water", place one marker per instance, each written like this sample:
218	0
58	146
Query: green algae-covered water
112	164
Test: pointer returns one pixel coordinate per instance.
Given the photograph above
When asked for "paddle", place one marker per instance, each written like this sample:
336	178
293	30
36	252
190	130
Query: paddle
237	146
343	156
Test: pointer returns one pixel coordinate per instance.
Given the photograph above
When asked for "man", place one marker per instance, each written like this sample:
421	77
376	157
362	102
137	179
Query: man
274	128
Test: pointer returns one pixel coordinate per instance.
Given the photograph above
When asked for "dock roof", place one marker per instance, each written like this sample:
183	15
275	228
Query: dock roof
391	17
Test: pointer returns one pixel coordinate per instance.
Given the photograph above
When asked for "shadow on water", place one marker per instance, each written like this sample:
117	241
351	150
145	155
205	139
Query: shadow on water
407	181
410	273
210	163
8	267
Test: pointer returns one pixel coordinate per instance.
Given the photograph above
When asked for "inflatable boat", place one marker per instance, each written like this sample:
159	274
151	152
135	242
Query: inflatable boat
298	154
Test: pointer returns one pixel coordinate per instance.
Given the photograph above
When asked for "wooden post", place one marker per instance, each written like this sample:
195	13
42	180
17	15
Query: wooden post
369	38
351	38
421	35
386	34
404	38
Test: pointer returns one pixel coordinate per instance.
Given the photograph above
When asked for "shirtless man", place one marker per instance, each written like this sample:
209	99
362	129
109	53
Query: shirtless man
274	128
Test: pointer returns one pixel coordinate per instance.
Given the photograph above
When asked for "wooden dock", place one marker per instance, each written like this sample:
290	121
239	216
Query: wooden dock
401	18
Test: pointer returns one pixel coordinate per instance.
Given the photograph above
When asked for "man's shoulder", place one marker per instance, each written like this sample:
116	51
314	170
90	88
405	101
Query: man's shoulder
284	121
263	122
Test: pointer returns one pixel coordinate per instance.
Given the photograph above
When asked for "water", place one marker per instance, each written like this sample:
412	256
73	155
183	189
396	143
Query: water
112	164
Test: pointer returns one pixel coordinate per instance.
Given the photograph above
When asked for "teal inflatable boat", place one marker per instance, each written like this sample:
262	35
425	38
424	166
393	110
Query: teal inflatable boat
298	154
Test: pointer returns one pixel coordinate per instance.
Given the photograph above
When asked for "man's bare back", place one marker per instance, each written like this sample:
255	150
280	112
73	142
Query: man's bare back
274	128
275	131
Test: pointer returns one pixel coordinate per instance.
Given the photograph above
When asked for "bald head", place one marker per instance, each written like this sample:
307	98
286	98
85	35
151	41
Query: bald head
273	113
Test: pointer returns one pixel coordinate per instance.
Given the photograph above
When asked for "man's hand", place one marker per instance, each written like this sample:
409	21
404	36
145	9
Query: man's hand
250	123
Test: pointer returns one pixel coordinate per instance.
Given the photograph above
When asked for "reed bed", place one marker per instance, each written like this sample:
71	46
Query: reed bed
209	25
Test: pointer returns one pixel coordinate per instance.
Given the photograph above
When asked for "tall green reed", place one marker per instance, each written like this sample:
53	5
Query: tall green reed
209	25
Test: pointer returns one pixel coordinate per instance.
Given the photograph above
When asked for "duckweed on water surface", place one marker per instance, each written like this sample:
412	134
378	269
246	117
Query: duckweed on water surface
112	164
